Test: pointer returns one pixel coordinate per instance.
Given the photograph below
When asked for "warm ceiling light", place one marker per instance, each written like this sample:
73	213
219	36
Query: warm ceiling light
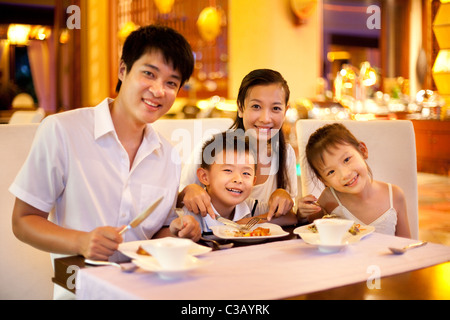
64	37
126	29
42	33
18	34
338	55
164	6
209	23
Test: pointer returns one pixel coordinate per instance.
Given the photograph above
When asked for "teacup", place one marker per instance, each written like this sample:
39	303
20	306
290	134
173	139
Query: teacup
332	231
171	253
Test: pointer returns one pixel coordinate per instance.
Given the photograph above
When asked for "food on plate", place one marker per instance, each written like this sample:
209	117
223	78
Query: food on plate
141	251
258	232
354	229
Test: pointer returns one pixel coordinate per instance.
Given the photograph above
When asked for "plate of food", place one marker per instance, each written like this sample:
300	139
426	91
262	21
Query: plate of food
258	233
356	232
134	249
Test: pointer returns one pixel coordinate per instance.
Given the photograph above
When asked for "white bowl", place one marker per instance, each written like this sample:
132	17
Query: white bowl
332	231
171	253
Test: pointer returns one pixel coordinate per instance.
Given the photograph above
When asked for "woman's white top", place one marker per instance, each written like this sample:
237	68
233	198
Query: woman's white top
386	223
260	192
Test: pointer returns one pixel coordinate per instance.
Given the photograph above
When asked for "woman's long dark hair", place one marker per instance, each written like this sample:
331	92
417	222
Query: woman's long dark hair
266	77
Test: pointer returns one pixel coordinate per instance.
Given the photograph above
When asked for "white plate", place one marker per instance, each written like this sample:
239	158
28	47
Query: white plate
130	248
149	263
227	232
313	237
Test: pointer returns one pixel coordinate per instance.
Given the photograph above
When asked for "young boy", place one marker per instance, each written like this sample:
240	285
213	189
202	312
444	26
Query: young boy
98	168
228	173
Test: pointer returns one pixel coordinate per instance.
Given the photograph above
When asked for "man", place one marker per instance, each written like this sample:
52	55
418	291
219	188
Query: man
97	168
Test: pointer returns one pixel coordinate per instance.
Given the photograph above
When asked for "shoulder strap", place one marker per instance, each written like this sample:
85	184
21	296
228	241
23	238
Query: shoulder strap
391	201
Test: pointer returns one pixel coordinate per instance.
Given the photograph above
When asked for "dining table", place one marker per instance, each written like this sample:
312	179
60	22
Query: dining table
286	268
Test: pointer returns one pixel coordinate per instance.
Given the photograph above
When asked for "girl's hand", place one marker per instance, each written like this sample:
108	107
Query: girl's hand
186	227
197	200
280	203
308	206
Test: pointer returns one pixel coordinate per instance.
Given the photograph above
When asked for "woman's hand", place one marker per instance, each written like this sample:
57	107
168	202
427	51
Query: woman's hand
280	203
197	200
308	206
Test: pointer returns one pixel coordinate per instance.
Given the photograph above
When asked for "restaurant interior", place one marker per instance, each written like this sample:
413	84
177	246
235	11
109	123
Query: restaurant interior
344	60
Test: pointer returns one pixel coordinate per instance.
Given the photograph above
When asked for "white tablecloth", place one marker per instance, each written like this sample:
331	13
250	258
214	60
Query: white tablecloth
274	270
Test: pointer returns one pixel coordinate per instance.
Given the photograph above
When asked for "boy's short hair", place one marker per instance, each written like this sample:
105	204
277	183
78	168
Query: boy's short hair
173	46
236	141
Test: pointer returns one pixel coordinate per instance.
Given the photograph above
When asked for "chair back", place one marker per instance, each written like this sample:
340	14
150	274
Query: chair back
392	157
26	272
185	134
32	116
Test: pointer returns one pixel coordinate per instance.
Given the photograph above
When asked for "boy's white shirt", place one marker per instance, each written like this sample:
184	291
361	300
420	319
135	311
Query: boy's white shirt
241	211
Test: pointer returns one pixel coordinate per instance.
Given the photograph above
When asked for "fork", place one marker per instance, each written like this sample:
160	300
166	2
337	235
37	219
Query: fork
251	223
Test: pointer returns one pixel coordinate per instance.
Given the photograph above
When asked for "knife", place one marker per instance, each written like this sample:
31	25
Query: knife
228	222
137	221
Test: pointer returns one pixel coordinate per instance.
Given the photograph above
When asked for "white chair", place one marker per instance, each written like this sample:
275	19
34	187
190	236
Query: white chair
28	116
392	157
185	134
25	272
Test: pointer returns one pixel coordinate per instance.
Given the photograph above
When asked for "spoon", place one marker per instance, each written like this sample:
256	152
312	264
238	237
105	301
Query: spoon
403	250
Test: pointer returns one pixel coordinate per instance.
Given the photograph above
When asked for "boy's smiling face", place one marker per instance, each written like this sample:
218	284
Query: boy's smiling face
230	179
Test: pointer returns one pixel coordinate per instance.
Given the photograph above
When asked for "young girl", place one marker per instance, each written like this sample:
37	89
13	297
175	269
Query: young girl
262	104
338	160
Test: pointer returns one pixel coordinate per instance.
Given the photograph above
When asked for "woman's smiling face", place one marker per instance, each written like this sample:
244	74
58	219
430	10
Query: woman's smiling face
264	110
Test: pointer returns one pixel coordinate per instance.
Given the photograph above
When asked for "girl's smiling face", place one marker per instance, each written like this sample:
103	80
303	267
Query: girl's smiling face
264	110
344	168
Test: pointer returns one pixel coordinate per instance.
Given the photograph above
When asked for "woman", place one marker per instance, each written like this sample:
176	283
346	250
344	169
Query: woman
262	104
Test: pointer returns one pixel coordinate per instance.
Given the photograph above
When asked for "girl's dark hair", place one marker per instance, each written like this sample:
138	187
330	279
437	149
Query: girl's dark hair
235	141
266	77
325	138
173	46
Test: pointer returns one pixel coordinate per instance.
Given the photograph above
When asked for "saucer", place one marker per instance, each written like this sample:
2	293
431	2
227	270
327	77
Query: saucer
130	248
149	263
329	248
313	238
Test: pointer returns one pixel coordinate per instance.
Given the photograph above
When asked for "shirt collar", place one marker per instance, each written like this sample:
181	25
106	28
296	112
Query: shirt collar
104	125
102	119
